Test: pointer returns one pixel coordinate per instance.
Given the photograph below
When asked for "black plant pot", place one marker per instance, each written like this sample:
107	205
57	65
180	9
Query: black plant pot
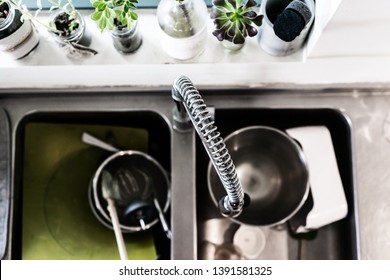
17	38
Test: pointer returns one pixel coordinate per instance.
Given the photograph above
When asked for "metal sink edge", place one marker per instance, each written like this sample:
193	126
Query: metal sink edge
353	103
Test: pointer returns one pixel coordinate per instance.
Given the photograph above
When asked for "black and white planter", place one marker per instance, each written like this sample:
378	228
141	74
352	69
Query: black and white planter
17	38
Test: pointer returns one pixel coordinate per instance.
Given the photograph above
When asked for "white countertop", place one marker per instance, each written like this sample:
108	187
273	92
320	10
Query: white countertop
353	50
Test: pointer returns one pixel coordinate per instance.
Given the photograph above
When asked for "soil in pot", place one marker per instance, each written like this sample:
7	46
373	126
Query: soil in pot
63	22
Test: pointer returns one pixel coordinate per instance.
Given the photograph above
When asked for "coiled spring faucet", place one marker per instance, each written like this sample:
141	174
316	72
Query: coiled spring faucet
191	107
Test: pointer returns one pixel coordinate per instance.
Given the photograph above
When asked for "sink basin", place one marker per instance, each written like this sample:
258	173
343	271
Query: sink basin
335	241
53	169
147	115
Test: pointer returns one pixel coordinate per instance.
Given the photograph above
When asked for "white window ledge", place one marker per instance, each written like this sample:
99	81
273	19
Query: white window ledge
342	56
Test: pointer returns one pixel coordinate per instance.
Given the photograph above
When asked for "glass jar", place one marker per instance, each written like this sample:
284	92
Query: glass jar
230	46
183	27
78	35
17	38
126	40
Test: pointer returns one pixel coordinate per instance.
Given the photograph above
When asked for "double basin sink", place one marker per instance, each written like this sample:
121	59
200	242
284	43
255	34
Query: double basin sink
50	170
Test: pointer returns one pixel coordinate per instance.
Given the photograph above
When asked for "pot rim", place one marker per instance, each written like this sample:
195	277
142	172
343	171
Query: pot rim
301	156
95	197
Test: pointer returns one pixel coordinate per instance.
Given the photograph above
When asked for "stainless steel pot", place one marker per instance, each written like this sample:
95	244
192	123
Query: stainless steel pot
273	171
147	188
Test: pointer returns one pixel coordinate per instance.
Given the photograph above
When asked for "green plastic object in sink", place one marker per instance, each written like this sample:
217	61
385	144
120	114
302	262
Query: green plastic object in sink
57	220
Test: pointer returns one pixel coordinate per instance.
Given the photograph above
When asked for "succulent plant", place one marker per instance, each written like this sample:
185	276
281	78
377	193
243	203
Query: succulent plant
234	20
111	13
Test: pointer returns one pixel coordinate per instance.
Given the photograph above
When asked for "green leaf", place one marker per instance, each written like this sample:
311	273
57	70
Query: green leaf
112	13
118	3
95	4
129	24
102	6
110	23
133	15
96	15
230	5
102	23
117	13
107	13
124	21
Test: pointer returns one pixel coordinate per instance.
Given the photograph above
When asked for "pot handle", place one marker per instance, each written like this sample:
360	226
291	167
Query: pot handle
329	201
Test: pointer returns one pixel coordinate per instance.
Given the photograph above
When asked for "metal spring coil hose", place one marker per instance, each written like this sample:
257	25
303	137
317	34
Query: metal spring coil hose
211	139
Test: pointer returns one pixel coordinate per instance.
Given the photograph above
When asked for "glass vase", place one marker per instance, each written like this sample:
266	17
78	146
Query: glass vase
78	35
126	40
230	46
183	27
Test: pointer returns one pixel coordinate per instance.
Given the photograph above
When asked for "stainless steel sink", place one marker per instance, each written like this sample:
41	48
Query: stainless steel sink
335	241
45	177
192	214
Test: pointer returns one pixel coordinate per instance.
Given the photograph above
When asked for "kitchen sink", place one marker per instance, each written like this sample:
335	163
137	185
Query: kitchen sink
41	121
53	170
335	241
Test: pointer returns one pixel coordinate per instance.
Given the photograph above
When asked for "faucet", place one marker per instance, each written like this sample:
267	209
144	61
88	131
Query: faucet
190	107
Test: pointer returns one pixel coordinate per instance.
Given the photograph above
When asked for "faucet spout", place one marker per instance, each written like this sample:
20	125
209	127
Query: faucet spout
190	102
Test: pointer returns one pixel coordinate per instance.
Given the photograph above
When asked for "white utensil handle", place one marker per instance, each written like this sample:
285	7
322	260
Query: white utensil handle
118	233
91	140
162	219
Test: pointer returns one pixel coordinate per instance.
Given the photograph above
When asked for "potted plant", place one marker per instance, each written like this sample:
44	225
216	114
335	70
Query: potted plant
183	27
234	20
17	34
120	18
68	29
